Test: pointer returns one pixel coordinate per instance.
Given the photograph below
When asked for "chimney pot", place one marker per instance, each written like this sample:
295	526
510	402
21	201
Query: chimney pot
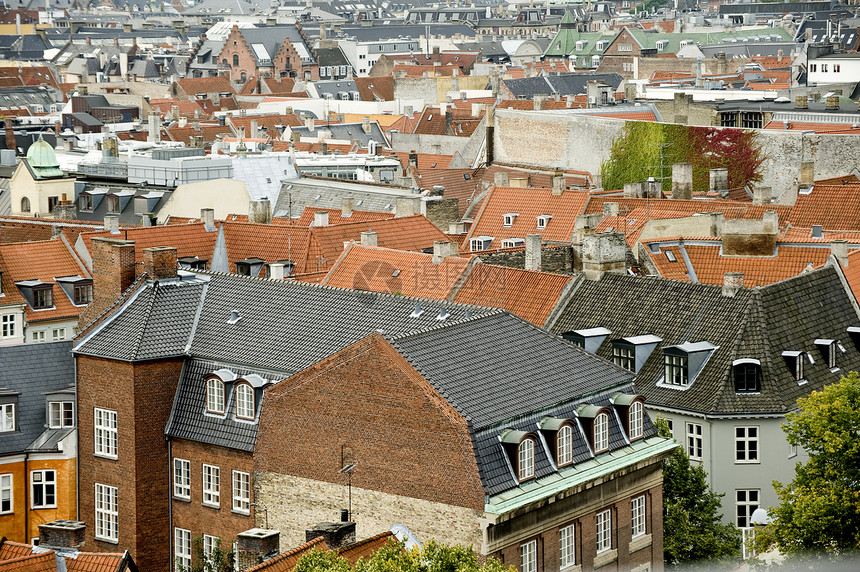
557	182
62	534
732	282
682	181
336	534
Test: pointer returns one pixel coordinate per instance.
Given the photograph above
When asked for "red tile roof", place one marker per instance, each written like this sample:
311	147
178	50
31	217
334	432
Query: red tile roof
852	273
460	184
832	128
426	160
334	216
10	550
20	558
286	561
672	208
365	548
95	562
528	204
375	88
44	261
528	294
45	562
189	239
270	242
283	86
834	207
216	84
390	271
186	108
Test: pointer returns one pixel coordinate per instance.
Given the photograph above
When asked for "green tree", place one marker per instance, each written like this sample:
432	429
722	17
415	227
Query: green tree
220	560
818	514
693	532
393	557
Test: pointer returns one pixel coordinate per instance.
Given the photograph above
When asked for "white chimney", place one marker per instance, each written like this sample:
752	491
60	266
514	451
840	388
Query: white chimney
533	252
112	224
321	218
368	238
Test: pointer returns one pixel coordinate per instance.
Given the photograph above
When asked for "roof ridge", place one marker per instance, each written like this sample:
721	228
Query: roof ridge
443	325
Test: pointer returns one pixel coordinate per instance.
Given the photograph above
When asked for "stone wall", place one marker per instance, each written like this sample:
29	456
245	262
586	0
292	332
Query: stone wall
442	212
559	259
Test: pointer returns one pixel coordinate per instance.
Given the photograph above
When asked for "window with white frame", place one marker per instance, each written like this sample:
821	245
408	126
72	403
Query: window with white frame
480	243
746	501
7	417
43	489
543	220
61	414
509	219
567	545
58	334
210	544
746	445
106	433
513	242
564	445
601	432
635	420
637	512
528	556
6	493
694	441
244	401
526	459
241	492
7	326
214	395
107	513
792	451
603	529
182	478
211	485
38	336
181	549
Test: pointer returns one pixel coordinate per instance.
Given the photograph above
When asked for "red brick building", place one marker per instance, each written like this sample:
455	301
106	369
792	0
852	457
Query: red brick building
272	51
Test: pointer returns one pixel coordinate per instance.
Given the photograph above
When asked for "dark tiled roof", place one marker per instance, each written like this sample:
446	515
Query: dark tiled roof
500	371
188	419
33	370
756	323
563	84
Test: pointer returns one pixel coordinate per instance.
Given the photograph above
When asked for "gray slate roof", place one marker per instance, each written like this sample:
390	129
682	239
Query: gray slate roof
500	371
756	323
564	84
272	37
32	370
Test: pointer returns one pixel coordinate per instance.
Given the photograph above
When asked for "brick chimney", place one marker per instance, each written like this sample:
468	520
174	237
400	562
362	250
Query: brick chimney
10	136
336	534
533	252
443	249
256	546
62	534
603	252
732	282
113	272
159	262
682	181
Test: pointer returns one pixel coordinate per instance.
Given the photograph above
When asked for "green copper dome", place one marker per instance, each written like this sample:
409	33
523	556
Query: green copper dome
41	155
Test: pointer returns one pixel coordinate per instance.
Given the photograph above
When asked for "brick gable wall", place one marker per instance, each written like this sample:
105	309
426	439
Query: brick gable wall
142	395
368	400
236	45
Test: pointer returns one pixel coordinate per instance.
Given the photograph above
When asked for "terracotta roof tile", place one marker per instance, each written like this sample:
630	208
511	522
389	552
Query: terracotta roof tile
334	216
375	88
395	272
279	86
528	294
269	242
286	561
631	115
657	208
44	261
94	562
460	184
189	239
426	160
834	207
833	128
216	84
852	272
365	548
528	204
186	108
10	549
45	562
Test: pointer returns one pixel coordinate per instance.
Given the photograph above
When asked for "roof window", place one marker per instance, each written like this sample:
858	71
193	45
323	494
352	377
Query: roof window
828	349
245	402
670	256
683	362
543	220
747	374
595	424
589	339
215	396
480	243
631	412
40	295
558	434
192	263
513	242
249	266
520	448
795	362
78	289
509	218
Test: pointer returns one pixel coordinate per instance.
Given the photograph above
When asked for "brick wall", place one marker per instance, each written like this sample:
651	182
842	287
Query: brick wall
142	395
561	260
192	515
113	272
443	212
235	45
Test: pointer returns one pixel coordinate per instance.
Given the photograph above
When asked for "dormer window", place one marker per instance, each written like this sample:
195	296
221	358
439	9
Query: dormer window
595	425
83	292
526	459
509	218
631	413
480	243
43	297
623	354
589	339
512	242
192	263
635	421
564	445
244	401
215	396
795	360
85	203
683	362
249	266
676	371
543	220
601	433
747	373
61	414
828	351
7	417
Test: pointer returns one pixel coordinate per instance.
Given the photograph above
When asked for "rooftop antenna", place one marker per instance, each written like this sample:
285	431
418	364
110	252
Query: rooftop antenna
347	470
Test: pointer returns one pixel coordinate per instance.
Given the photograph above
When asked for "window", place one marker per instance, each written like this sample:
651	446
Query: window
510	218
182	547
52	203
823	68
637	512
634	420
564	445
85	202
107	513
729	119
38	336
113	205
244	401
241	492
210	544
528	556
624	355
106	434
670	256
182	479
676	369
43	298
543	220
837	68
513	242
567	545
601	432
751	120
235	59
792	451
629	47
746	445
7	417
603	526
83	294
43	487
25	205
6	493
747	378
214	395
7	326
813	67
211	485
61	414
58	334
480	243
746	501
694	441
526	459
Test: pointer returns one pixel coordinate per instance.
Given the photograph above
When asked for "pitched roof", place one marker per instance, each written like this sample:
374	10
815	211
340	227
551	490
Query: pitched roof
45	562
335	216
528	204
758	323
528	294
44	261
214	84
375	88
266	241
190	239
286	561
395	272
365	548
673	208
26	558
834	207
